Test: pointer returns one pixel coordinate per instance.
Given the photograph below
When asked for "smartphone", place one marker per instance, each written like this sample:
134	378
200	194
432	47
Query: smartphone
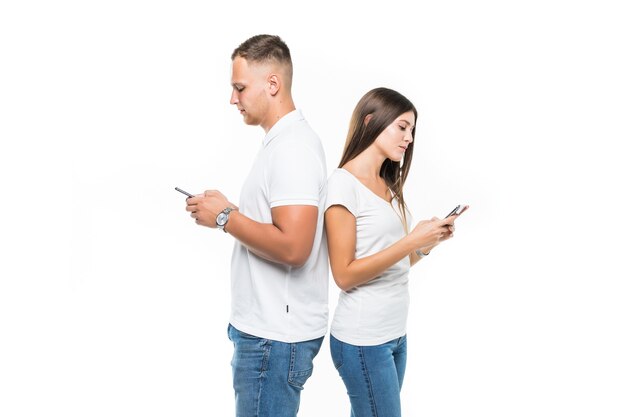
184	192
457	210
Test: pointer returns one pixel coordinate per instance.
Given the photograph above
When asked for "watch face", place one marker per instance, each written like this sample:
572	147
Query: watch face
221	219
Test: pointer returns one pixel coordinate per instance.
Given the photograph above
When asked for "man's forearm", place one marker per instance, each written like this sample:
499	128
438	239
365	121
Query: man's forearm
268	241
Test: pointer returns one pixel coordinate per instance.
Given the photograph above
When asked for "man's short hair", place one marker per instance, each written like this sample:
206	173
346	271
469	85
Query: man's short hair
265	48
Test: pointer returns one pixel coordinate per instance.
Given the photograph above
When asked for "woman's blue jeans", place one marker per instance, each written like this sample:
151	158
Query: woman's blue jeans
268	375
373	376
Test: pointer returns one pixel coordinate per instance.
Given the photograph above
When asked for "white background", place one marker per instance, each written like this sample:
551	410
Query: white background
114	303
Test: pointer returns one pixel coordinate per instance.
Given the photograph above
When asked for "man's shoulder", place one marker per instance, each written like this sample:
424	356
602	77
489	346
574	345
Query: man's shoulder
298	138
300	131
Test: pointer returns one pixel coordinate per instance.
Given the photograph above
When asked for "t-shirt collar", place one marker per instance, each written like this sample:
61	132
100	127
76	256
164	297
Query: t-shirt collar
282	124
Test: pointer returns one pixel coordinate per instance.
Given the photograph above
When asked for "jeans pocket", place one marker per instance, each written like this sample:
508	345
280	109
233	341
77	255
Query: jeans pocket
301	361
336	352
298	378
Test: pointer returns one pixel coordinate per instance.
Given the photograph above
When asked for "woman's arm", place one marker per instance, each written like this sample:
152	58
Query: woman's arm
349	272
415	258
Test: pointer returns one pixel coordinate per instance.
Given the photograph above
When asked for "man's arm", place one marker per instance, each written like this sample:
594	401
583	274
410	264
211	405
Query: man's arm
287	240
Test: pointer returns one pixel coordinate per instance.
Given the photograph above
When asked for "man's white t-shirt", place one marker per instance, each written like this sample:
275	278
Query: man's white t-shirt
375	312
271	300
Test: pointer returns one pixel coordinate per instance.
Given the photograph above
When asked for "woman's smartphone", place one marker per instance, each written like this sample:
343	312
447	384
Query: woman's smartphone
184	192
457	210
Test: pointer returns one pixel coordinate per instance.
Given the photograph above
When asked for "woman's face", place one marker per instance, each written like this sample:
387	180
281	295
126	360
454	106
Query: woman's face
396	137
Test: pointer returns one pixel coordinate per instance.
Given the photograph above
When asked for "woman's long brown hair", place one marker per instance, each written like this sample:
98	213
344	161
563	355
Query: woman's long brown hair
383	106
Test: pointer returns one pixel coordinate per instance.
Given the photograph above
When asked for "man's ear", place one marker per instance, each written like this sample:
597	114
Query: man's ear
368	118
274	84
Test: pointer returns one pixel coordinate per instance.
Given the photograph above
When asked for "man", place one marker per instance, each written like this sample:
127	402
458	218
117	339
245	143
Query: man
279	268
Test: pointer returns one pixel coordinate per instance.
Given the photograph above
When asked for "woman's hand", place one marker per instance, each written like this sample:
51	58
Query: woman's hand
429	233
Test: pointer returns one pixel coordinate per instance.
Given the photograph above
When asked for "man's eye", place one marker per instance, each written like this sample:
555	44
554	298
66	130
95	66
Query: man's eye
240	89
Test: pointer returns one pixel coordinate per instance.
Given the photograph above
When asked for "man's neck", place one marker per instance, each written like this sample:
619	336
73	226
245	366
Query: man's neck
283	106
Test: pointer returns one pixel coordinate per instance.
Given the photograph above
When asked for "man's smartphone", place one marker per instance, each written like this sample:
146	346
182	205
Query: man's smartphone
457	210
184	192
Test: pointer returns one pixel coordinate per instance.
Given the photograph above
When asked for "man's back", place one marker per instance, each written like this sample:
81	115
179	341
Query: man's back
271	300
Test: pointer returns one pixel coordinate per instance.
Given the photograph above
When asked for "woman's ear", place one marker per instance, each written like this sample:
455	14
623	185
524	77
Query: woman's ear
368	118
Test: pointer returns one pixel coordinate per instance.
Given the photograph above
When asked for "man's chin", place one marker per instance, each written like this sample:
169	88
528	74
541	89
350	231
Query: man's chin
250	121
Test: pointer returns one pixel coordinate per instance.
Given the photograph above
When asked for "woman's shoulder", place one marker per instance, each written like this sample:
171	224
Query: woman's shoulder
342	190
341	178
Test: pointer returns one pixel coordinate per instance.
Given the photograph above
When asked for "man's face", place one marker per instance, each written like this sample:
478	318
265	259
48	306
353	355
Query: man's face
250	95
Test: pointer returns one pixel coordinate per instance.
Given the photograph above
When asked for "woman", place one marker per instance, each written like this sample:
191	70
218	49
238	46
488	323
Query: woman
371	251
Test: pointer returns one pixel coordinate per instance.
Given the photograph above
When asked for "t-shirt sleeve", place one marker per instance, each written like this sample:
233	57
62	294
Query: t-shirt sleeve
296	176
342	191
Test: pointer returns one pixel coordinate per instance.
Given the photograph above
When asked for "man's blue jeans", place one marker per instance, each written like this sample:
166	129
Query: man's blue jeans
373	376
269	375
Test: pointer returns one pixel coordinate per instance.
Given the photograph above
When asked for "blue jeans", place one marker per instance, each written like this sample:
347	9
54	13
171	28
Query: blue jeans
269	375
373	376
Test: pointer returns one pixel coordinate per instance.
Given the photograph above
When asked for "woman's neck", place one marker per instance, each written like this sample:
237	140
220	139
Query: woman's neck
366	165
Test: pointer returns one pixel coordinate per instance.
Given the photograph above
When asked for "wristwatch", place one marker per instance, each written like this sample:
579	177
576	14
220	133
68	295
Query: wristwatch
222	218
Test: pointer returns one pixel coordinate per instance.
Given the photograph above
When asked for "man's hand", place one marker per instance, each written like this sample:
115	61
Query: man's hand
205	207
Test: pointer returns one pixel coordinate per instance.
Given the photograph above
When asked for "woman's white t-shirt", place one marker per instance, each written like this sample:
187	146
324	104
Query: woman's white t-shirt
375	312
